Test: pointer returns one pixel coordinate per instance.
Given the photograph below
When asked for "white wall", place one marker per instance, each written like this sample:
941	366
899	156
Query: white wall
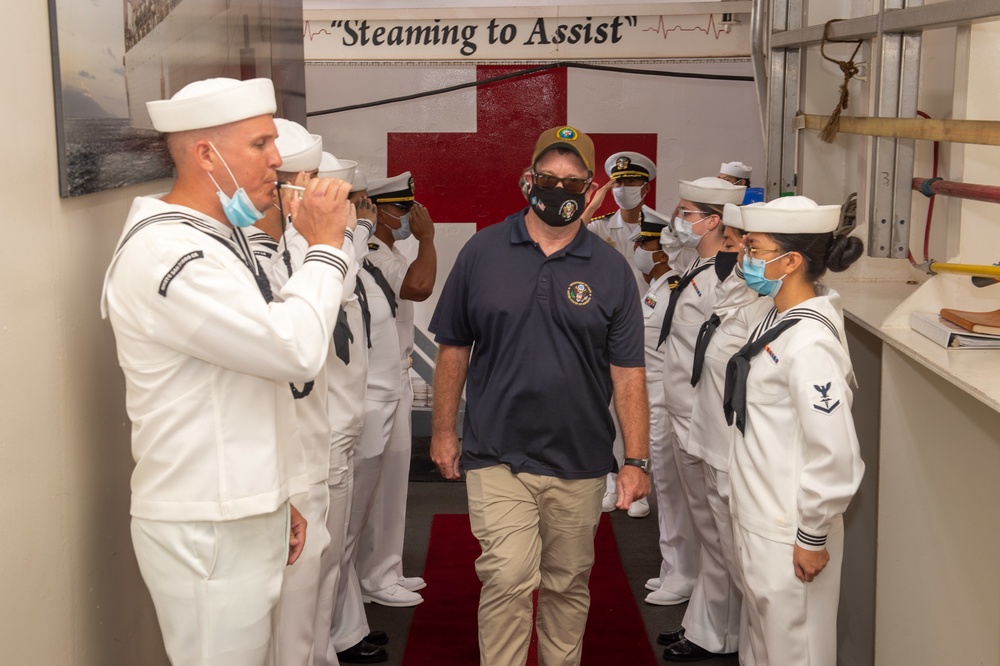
70	592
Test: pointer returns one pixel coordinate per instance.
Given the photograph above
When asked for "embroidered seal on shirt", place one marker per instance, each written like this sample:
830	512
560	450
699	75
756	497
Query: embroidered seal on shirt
579	293
826	403
173	272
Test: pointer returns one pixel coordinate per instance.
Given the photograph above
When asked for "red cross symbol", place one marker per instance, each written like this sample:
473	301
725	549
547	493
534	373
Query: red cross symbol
472	177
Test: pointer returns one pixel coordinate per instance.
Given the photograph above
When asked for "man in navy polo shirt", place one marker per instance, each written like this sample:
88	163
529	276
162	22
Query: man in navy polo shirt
543	320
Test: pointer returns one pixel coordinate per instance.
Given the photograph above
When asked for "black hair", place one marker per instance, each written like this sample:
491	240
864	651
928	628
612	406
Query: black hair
822	251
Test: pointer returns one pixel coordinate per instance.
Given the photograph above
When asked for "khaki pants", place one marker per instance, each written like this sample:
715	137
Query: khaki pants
535	532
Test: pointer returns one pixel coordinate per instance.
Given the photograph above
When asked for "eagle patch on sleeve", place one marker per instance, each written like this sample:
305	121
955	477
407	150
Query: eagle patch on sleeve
173	272
825	399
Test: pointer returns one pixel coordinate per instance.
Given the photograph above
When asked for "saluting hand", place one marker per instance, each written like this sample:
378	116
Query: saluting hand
421	223
595	203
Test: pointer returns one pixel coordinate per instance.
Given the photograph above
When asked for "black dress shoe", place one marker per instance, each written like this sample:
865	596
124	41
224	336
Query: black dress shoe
685	650
670	637
363	653
377	638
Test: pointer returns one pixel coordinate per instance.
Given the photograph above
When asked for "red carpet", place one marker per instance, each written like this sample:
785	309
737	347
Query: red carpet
444	628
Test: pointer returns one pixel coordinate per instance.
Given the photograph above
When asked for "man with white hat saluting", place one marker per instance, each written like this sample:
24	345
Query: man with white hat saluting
631	175
380	566
208	358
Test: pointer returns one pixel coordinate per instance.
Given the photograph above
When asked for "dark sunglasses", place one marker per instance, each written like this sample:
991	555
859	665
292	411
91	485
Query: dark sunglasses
547	181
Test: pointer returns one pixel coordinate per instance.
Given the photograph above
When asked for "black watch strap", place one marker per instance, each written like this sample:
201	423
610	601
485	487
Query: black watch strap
641	463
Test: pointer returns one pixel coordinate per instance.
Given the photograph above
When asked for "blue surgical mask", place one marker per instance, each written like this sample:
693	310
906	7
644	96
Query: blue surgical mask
239	210
684	232
753	273
404	226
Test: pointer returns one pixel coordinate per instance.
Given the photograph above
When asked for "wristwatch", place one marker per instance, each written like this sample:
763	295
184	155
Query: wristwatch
642	463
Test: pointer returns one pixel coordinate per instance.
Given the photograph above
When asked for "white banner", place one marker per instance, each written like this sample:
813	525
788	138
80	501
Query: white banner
351	35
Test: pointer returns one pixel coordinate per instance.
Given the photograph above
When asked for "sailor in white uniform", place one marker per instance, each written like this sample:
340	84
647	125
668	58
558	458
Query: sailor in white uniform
380	557
796	462
711	622
208	351
630	176
736	173
698	224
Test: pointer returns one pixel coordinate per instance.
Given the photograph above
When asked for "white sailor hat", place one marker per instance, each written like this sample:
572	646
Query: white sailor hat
735	169
711	190
650	226
629	165
359	182
790	215
398	190
331	167
212	102
731	216
299	150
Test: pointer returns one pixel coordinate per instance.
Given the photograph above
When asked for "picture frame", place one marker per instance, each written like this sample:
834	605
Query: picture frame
109	57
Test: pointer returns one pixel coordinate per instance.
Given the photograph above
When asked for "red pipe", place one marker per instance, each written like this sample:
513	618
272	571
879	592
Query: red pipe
948	188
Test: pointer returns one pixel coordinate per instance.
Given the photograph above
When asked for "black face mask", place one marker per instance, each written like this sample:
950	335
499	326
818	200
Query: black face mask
725	262
555	206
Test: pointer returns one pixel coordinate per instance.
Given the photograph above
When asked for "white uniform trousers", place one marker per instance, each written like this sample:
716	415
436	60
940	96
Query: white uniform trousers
712	618
295	616
214	585
790	622
679	547
349	622
341	486
381	564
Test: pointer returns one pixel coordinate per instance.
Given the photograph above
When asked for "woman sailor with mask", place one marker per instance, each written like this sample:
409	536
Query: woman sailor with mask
697	221
712	618
795	463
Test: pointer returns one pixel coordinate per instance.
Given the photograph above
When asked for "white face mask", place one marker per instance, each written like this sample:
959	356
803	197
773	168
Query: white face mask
628	198
644	260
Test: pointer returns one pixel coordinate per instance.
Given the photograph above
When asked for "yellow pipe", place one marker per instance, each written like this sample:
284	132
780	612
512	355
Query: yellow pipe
964	269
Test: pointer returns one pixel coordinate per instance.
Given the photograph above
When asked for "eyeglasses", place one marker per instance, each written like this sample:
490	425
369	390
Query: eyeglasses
680	211
547	181
754	251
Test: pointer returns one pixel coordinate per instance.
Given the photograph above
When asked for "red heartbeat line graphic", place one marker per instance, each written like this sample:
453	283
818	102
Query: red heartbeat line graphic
311	34
709	29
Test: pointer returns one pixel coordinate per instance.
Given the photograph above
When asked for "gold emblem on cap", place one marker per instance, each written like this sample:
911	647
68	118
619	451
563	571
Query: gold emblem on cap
567	134
579	293
623	163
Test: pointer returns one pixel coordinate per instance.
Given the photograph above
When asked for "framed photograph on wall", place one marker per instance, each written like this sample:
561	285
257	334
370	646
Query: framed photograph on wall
110	57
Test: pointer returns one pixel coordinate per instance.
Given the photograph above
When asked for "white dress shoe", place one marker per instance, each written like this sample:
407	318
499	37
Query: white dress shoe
412	583
653	584
664	598
639	509
394	596
609	501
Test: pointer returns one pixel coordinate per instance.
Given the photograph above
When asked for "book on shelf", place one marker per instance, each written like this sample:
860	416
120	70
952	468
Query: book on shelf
950	335
977	322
